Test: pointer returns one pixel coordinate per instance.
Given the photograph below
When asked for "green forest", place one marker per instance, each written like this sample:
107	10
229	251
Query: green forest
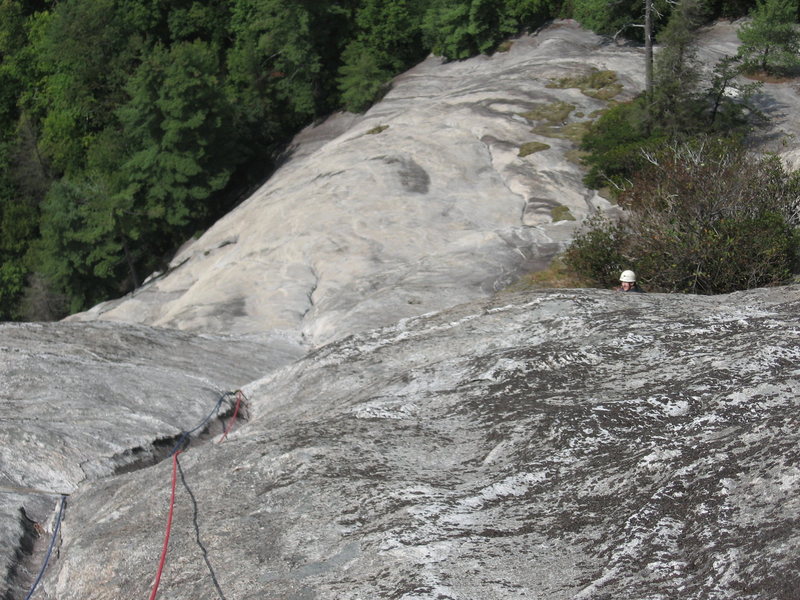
129	126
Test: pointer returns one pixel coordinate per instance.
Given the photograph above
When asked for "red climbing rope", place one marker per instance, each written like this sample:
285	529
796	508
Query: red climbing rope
175	452
239	396
169	526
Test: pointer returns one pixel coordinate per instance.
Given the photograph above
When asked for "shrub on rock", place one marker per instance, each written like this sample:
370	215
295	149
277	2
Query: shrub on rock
701	217
771	39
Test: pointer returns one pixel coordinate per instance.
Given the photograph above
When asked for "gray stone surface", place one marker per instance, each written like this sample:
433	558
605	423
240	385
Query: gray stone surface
358	229
565	444
82	401
562	444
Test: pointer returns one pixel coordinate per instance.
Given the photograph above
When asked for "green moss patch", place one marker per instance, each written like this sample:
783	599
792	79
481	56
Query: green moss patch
531	147
570	131
561	213
602	85
557	112
576	156
604	93
378	129
594	79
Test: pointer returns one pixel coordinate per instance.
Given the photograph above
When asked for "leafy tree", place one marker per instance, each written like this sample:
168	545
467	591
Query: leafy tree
676	73
85	50
728	9
24	175
771	40
626	17
12	37
40	301
728	99
145	187
361	78
615	142
532	13
79	252
176	126
273	68
387	40
459	29
596	253
447	31
333	24
491	22
207	20
12	286
19	215
392	30
602	16
281	68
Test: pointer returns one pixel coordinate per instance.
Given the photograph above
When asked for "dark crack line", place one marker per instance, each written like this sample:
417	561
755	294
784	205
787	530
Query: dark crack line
20	569
310	293
203	549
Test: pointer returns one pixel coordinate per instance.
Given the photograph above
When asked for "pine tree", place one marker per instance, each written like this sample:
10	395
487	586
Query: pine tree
387	40
177	124
676	72
771	40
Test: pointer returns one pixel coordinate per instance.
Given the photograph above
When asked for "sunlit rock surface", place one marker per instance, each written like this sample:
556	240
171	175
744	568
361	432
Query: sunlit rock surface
420	204
82	401
424	202
545	445
563	444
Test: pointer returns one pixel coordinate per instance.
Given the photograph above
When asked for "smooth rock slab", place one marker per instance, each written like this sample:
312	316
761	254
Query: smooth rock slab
421	203
82	401
561	444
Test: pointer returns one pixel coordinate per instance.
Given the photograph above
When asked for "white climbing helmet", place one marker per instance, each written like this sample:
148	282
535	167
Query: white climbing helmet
628	277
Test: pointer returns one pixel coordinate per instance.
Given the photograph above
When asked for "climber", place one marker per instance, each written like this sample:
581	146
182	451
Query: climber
627	282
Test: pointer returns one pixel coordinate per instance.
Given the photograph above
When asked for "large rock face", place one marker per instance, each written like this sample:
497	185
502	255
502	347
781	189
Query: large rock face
369	211
422	203
84	401
565	444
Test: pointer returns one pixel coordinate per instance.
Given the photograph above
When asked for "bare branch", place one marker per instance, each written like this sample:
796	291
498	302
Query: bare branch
624	27
649	156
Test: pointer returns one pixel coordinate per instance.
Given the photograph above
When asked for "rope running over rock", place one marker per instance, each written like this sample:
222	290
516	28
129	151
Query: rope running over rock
50	548
239	397
175	452
164	548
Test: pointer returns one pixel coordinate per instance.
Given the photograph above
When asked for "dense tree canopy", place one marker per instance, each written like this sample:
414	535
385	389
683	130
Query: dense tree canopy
127	126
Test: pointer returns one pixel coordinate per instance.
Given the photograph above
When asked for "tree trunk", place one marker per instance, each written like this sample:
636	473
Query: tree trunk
648	49
129	260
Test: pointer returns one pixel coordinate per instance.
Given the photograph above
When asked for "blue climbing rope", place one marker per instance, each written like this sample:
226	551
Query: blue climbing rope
202	424
50	549
176	448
